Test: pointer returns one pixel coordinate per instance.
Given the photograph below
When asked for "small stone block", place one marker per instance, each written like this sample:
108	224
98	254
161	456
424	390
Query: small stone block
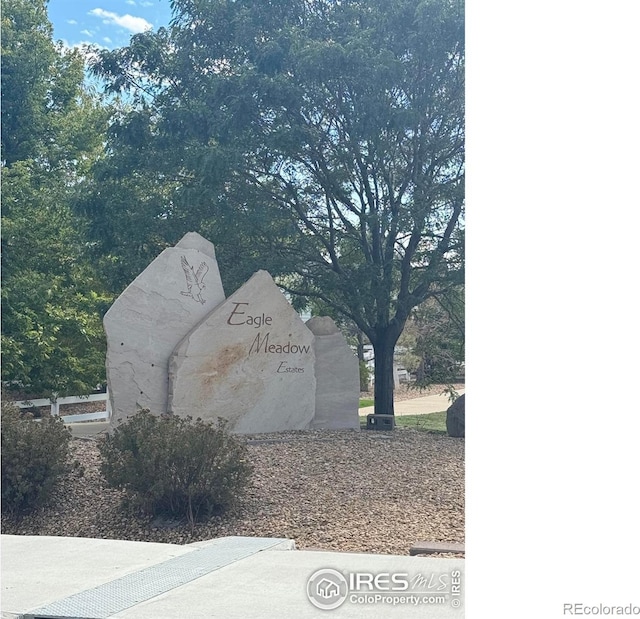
424	548
380	422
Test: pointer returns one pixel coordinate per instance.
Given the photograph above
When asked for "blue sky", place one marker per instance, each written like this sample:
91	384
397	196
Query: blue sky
107	23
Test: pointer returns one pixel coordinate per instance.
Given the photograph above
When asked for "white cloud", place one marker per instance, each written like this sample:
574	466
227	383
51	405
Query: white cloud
87	33
146	4
130	22
131	2
86	48
107	40
73	22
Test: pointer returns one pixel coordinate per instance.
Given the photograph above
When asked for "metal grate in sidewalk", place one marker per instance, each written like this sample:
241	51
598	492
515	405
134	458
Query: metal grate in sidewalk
105	600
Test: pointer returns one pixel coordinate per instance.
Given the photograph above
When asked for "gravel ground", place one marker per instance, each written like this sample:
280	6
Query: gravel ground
346	491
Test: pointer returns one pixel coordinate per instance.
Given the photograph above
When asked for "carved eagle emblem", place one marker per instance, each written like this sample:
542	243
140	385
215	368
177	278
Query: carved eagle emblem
195	286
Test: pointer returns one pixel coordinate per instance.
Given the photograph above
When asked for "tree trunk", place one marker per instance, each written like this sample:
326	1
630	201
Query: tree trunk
360	347
364	377
383	390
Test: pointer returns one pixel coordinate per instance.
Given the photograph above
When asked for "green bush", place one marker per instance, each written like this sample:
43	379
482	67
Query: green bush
35	455
174	466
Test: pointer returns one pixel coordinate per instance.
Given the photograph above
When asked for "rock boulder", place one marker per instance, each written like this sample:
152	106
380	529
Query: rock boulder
455	418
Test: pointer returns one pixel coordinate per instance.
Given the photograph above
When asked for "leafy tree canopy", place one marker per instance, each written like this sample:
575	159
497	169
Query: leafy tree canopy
322	140
52	131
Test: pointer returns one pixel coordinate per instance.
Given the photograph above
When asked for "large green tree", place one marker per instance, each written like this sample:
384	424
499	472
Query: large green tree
324	138
52	131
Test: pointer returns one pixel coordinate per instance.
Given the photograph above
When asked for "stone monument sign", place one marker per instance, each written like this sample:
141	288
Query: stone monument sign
337	377
174	344
153	314
251	360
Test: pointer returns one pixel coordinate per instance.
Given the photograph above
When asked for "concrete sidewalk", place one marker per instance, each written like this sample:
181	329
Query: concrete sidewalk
88	429
417	406
230	578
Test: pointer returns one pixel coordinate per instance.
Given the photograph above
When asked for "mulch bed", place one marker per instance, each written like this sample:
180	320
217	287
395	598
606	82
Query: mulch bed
357	491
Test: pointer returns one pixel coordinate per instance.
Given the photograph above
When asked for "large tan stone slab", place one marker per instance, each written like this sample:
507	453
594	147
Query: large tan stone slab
151	316
250	361
337	377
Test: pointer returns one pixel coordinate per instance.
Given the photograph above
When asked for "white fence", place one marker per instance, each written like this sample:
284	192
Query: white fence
73	399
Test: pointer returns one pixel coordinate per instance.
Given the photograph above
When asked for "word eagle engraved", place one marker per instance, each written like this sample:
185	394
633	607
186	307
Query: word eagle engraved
194	279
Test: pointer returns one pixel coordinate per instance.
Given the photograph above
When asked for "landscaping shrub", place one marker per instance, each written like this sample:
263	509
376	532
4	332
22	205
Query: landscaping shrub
174	466
35	455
